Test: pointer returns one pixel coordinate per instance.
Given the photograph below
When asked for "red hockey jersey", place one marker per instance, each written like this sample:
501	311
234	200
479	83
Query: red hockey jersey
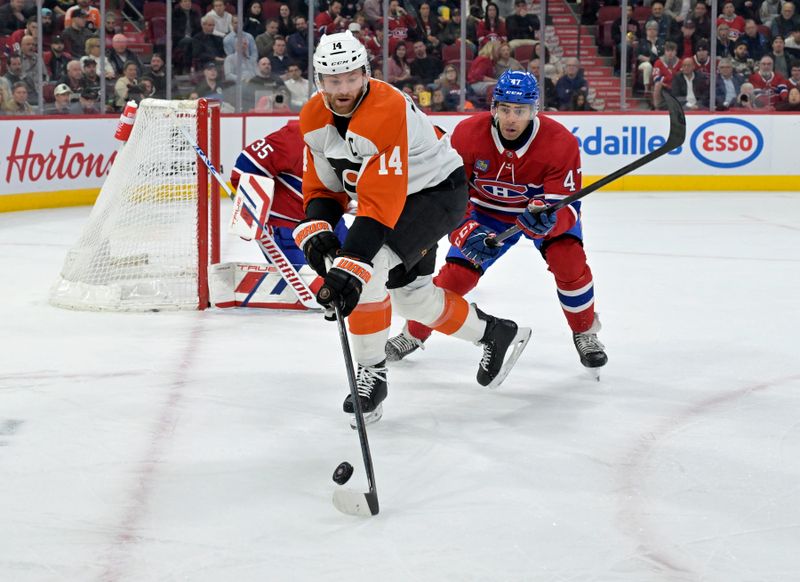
502	182
280	157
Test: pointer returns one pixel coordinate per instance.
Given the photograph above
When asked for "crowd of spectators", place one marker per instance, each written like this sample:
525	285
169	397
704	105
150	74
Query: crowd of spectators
757	45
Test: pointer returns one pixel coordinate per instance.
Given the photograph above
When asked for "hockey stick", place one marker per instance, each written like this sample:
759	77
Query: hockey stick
677	134
269	248
350	501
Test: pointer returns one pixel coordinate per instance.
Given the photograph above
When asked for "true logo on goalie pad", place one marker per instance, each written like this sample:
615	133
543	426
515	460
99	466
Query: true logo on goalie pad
255	285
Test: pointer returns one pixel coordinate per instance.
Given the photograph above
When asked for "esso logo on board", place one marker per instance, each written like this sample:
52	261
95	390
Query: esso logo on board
727	142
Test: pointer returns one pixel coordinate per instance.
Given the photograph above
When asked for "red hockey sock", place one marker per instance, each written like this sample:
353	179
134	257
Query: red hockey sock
567	261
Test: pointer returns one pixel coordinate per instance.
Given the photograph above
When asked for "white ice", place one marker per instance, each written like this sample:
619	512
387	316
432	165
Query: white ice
200	446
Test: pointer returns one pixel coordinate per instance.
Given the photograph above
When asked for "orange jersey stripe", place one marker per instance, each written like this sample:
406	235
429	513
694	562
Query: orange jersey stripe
454	314
370	318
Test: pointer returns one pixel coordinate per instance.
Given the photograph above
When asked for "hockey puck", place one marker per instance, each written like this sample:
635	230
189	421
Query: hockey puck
342	473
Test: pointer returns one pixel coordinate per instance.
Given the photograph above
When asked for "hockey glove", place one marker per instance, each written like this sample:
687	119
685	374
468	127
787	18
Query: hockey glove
470	238
535	222
344	282
317	241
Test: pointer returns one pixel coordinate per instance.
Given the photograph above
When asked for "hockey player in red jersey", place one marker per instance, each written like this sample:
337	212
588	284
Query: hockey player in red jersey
279	156
516	160
367	140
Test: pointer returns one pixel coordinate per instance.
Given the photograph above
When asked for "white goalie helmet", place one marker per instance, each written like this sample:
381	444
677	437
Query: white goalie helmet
337	53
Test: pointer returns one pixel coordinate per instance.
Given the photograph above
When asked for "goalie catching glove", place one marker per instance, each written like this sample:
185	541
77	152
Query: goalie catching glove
535	221
470	238
318	243
344	282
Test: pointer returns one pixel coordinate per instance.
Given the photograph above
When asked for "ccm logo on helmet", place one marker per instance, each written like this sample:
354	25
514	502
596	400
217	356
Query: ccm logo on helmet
727	142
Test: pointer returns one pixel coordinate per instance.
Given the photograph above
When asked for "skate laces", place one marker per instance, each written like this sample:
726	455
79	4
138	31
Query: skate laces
588	343
368	376
405	343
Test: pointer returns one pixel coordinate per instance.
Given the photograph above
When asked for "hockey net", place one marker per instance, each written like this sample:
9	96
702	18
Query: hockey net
150	236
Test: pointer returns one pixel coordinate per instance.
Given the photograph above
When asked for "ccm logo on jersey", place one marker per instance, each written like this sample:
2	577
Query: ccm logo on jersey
727	142
503	191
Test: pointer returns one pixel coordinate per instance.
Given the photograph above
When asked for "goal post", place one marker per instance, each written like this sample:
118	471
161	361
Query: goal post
154	228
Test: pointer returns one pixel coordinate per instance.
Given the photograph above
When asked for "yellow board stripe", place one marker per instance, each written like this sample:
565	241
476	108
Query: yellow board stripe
58	199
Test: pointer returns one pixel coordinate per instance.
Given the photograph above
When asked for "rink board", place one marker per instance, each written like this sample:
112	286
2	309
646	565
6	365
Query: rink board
64	162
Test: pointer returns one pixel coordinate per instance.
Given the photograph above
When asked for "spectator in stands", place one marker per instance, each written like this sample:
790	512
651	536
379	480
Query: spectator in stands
156	71
128	79
76	34
206	47
549	93
757	45
285	21
650	49
296	86
522	28
480	74
781	59
93	52
147	87
254	24
279	60
580	102
747	9
113	25
185	27
741	62
633	32
768	11
120	55
249	64
702	58
5	98
401	25
30	66
399	71
664	70
729	84
677	9
19	100
14	72
687	46
786	22
792	44
504	61
48	28
734	21
62	104
701	19
89	102
56	59
570	83
452	29
773	87
297	43
265	83
438	102
451	87
31	29
209	86
90	80
724	42
229	42
794	80
330	20
373	10
492	27
689	87
92	15
667	27
74	77
792	102
264	41
222	18
13	17
427	28
425	68
368	40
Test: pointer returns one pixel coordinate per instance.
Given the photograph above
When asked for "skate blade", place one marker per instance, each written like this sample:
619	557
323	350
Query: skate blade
594	373
369	417
520	341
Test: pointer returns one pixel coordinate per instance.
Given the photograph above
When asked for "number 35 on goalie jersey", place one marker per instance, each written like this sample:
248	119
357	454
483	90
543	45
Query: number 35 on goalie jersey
389	151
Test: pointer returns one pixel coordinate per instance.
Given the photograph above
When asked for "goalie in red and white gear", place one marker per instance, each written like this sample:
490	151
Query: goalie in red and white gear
518	162
279	156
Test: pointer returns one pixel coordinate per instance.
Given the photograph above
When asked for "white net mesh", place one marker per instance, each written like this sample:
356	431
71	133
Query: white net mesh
139	249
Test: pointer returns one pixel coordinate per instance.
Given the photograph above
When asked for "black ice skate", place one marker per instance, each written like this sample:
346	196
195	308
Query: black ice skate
401	345
372	389
589	347
500	335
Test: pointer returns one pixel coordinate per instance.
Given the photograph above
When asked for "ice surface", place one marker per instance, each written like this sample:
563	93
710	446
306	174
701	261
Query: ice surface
200	446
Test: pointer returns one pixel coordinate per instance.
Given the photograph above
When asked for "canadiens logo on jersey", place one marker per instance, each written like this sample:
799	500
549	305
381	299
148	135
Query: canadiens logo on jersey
506	192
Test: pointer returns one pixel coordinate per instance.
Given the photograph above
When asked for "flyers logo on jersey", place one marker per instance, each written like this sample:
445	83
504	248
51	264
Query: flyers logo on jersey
503	191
